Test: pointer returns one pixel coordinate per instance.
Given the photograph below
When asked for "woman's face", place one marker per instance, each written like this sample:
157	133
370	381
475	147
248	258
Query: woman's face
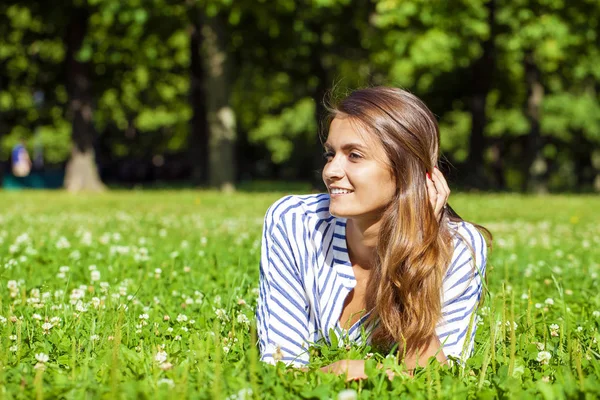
356	172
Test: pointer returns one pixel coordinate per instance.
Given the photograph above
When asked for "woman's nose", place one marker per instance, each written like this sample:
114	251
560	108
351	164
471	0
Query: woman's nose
333	170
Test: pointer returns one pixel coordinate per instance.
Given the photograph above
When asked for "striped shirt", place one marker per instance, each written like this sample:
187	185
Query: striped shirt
306	274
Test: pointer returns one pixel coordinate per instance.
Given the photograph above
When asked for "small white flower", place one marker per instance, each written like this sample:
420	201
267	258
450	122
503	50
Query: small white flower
544	357
554	327
161	356
41	357
549	301
579	329
524	296
347	394
225	349
13	348
37	316
165	366
596	314
95	276
47	326
81	306
242	319
221	314
540	346
166	381
144	316
93	338
182	318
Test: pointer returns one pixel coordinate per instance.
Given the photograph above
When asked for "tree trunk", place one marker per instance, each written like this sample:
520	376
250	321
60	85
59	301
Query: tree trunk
198	139
81	171
536	166
221	118
482	75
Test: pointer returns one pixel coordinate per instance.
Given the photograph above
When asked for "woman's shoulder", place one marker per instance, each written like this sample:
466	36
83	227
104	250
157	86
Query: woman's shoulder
311	205
467	236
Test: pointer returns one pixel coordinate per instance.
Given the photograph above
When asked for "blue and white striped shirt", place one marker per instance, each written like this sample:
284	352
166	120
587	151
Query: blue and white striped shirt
306	274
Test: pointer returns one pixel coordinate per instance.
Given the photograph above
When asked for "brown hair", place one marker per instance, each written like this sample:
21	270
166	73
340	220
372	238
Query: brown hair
414	249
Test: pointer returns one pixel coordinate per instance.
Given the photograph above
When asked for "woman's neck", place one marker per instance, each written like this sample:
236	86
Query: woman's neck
361	239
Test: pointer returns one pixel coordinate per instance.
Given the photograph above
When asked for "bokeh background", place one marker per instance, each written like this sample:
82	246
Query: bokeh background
228	93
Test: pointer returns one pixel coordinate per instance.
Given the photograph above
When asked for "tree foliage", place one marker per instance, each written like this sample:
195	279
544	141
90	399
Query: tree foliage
514	83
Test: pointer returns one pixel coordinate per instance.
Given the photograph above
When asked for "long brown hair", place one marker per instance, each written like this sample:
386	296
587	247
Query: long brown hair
414	249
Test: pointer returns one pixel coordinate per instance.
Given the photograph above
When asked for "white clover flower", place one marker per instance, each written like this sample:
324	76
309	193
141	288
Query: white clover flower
144	316
539	305
95	276
226	349
2	320
524	296
13	337
12	285
47	326
579	329
41	357
549	301
596	314
13	348
242	319
62	243
165	366
540	346
161	356
347	394
182	318
544	357
93	338
165	381
554	327
37	316
221	314
81	306
55	320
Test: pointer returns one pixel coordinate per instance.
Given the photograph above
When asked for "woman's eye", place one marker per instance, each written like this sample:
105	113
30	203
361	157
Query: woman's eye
354	156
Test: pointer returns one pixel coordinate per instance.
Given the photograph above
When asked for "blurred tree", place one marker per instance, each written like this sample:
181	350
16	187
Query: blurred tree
221	118
81	171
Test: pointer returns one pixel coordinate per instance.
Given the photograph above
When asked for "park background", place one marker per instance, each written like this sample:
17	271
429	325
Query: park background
221	92
150	294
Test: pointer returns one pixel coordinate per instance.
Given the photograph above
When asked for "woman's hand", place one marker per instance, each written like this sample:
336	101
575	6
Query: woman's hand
438	191
353	369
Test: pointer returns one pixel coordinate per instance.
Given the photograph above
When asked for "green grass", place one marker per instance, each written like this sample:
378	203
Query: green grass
172	277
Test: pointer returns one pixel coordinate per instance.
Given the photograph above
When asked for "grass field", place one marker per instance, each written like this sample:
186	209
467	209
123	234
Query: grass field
152	294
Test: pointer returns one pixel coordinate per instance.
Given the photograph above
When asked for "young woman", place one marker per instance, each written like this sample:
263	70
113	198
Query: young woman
380	253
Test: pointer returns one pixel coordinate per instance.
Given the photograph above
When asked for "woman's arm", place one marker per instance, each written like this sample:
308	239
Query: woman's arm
355	369
282	314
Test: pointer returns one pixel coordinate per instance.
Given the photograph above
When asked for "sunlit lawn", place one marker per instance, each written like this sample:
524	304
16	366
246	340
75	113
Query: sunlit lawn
152	294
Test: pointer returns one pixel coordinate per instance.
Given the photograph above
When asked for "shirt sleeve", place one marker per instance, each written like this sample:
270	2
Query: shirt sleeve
462	289
282	313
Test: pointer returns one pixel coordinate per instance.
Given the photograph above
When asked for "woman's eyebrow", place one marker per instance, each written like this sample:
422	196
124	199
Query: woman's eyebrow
347	146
